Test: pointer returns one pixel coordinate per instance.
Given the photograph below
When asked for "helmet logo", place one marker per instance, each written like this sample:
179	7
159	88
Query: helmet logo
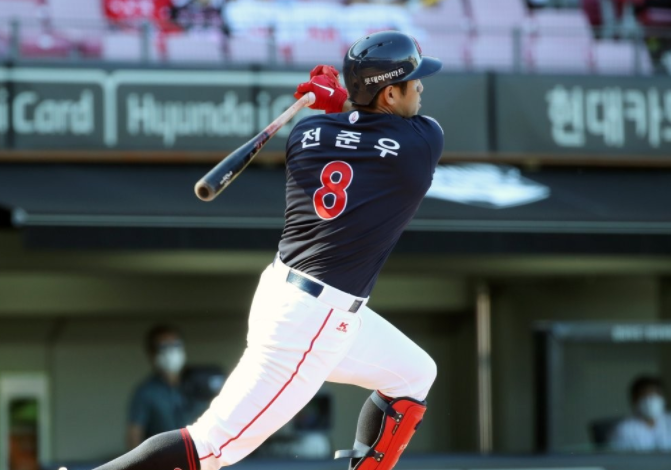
383	77
354	117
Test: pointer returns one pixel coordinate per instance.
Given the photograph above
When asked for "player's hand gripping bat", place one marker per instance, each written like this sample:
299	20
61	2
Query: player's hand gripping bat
219	177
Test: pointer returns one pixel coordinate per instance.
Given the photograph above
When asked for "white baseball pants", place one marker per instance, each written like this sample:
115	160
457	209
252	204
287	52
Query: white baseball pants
295	343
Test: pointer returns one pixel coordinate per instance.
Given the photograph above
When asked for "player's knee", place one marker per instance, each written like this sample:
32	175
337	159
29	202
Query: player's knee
431	370
427	372
416	378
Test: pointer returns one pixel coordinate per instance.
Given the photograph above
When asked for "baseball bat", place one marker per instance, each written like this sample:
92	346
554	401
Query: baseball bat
219	177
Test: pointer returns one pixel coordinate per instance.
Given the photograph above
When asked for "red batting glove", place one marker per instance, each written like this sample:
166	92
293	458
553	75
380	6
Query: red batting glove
330	95
325	70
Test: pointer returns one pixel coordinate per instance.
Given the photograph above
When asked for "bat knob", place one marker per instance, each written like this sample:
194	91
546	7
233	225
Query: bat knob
311	98
204	191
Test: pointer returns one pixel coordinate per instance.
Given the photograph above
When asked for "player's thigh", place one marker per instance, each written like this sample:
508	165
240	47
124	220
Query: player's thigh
383	358
293	344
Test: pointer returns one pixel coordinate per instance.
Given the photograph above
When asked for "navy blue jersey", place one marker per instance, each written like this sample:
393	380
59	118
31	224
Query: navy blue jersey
354	181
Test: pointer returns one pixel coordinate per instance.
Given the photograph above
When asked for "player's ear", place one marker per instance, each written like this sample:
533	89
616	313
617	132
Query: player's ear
388	95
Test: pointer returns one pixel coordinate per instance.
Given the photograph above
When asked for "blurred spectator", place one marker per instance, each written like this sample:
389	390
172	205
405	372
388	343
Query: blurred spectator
168	15
656	15
158	403
649	429
306	436
133	12
198	14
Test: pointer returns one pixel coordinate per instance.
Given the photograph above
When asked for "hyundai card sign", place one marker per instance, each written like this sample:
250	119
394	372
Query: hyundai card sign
206	110
141	109
219	110
46	109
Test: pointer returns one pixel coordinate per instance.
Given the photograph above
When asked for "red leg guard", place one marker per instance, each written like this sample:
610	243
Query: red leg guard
402	416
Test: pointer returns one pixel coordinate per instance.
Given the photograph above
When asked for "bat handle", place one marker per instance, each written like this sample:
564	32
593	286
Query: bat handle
207	190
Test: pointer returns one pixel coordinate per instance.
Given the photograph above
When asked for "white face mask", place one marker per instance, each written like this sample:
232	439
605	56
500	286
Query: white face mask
652	407
171	360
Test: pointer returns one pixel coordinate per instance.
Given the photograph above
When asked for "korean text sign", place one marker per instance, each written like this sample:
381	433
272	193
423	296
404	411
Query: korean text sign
583	115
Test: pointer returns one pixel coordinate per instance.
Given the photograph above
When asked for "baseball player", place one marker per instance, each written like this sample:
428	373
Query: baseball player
355	178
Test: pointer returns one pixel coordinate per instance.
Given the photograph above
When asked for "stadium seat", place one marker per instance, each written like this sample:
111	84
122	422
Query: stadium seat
498	13
185	47
33	41
80	21
316	52
431	19
124	46
493	52
37	39
449	47
43	45
248	48
365	18
76	10
447	14
77	18
552	22
560	55
620	57
251	17
22	10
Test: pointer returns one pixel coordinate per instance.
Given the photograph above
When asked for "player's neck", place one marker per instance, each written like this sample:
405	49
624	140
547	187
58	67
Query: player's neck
378	109
170	378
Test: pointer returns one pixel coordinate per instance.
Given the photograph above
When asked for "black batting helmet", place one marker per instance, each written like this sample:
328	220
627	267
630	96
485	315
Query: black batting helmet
381	59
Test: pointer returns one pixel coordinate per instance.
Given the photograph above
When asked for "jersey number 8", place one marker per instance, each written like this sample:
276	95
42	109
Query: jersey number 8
330	199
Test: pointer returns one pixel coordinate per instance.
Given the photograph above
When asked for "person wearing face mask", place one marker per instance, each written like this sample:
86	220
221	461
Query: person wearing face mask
158	403
649	429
